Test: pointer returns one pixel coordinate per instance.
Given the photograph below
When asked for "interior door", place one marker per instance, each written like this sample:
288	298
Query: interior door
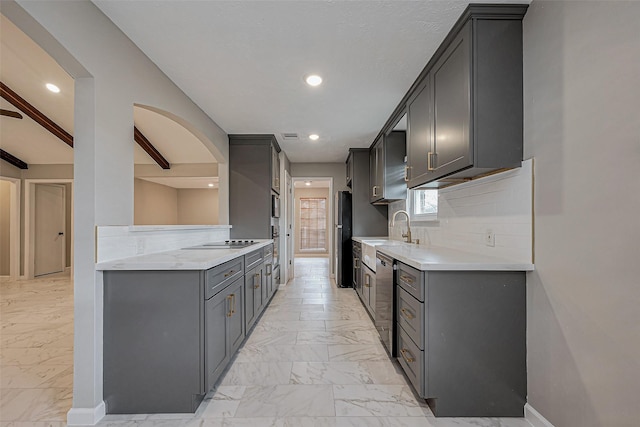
289	228
49	229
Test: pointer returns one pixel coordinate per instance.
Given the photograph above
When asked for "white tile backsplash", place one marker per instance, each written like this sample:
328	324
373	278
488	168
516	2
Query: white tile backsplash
502	203
116	242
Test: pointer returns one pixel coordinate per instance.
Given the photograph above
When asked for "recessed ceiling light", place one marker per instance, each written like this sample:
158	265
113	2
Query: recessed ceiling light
53	88
313	80
307	183
313	137
210	185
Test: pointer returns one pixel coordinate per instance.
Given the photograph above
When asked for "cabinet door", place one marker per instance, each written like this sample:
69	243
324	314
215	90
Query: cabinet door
376	171
419	134
249	300
453	149
349	169
217	352
257	291
275	170
268	274
235	320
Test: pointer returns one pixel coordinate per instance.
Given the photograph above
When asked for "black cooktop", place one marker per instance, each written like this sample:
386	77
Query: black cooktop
227	244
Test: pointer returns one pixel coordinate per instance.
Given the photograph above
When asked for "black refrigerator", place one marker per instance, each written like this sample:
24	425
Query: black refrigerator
344	257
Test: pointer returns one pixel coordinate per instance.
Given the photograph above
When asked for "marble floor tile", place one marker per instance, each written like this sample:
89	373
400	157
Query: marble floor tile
335	315
357	352
376	400
349	325
330	373
337	337
257	373
288	401
36	351
267	325
385	372
30	376
224	402
268	338
283	353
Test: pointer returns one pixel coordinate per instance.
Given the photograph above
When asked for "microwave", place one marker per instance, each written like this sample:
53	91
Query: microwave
275	206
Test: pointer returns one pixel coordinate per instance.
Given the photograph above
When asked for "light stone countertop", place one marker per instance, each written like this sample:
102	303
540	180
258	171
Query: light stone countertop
438	258
181	259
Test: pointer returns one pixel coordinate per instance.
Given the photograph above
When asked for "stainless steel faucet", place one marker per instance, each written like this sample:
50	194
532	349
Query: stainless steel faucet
393	221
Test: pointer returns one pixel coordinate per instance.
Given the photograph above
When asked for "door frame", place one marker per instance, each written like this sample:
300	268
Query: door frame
14	226
287	208
331	219
29	215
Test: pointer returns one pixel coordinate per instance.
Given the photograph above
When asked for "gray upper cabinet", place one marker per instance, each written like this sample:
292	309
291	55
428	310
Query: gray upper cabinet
419	134
349	169
254	173
451	148
386	169
367	219
275	169
465	110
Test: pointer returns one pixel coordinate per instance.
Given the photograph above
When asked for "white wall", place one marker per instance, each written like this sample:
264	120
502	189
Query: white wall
501	203
5	203
197	206
582	125
111	75
154	204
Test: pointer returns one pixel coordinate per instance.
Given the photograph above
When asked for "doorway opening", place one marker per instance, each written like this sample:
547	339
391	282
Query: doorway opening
9	227
312	221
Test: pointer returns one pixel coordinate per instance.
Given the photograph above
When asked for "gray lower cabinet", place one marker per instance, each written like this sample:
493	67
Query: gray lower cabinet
169	335
224	329
250	303
154	340
461	339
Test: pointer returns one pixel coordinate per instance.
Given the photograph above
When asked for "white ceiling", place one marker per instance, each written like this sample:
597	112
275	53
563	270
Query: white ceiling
313	183
184	181
243	62
26	68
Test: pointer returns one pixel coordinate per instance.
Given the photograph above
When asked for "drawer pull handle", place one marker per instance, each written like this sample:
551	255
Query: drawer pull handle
229	273
407	313
230	298
407	279
410	358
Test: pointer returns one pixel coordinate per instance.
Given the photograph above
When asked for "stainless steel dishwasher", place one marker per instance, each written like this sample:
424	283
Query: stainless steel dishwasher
384	309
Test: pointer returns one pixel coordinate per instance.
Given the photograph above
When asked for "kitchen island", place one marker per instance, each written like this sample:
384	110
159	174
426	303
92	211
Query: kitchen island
173	320
456	323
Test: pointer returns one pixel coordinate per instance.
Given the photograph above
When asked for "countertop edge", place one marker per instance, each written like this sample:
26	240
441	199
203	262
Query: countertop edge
147	263
499	264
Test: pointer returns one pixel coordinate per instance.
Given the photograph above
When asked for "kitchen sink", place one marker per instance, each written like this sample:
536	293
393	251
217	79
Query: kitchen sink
369	250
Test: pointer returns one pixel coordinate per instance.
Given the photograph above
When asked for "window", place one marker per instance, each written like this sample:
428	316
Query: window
423	205
313	224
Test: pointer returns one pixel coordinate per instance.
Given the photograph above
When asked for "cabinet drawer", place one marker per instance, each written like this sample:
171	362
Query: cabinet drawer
217	278
267	251
411	359
411	317
253	259
411	280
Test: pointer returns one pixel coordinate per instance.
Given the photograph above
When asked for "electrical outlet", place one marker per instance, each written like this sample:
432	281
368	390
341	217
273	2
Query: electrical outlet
489	237
139	247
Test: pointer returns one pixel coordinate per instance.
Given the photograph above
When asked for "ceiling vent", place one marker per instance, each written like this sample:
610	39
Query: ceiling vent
290	136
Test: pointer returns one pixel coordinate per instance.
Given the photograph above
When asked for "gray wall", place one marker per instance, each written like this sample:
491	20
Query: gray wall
582	126
336	170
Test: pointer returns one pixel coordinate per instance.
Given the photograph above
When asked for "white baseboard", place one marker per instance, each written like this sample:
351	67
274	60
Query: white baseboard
535	418
86	416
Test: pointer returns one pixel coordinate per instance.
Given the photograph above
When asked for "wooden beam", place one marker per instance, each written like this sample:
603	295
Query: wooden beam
9	113
150	149
35	114
9	158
